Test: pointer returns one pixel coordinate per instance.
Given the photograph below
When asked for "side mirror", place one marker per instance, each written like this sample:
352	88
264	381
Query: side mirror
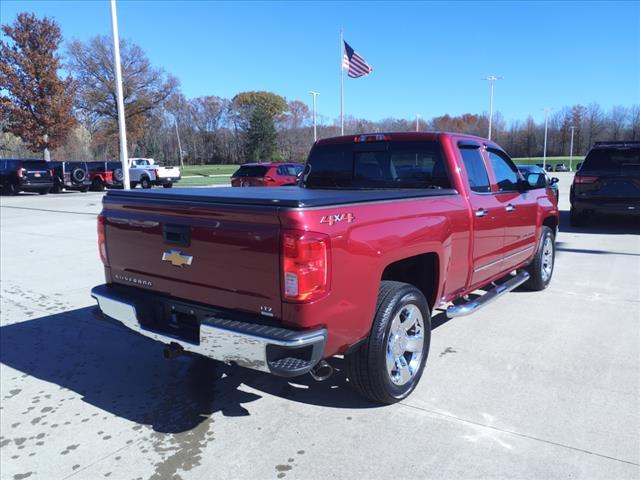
554	180
536	180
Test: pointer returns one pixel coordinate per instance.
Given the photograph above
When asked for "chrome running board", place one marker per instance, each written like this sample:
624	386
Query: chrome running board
496	292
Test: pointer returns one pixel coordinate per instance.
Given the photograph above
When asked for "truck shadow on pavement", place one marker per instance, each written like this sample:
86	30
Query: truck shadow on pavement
124	374
601	224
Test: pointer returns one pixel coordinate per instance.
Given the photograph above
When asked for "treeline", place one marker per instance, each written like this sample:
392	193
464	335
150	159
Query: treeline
75	117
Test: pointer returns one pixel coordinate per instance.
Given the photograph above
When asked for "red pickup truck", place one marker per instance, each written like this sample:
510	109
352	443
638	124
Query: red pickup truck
382	230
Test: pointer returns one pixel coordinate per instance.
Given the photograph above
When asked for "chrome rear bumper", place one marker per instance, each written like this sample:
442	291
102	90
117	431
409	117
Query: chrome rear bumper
275	350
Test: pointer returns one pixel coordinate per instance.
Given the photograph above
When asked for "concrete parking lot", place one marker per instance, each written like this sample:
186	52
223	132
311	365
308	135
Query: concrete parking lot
537	385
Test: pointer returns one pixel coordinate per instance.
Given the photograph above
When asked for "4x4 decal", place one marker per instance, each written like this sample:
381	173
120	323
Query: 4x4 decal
337	217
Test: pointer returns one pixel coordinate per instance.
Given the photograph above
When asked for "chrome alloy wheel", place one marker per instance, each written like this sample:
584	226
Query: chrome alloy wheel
547	259
405	345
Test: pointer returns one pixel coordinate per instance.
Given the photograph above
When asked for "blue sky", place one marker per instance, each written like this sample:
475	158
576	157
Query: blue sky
428	57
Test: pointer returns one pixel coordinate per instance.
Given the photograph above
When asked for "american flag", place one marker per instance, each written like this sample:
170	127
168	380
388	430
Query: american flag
354	63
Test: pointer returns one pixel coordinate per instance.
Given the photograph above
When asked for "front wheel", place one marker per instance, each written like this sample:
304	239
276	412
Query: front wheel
387	367
541	268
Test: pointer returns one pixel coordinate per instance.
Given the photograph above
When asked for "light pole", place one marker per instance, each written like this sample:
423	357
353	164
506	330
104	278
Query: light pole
491	79
572	128
418	122
179	143
124	156
315	105
546	124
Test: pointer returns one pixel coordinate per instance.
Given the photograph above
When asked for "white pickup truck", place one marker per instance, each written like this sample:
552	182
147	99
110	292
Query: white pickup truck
145	172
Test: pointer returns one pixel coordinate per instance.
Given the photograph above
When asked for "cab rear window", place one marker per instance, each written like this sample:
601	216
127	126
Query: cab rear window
377	165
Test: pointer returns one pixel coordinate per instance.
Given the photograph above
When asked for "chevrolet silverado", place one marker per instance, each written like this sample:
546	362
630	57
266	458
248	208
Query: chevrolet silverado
382	230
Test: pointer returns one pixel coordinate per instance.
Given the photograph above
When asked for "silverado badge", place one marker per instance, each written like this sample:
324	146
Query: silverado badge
177	258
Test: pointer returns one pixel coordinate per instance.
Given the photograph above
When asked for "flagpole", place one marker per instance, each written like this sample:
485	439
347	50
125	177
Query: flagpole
341	83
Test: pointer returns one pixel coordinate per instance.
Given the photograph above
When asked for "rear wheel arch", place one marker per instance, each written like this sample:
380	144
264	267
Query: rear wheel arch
422	271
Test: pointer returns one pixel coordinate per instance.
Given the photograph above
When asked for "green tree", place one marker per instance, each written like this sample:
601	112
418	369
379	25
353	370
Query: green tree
261	135
254	115
35	102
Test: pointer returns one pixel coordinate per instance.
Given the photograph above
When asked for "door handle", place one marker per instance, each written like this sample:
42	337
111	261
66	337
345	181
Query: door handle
482	212
510	208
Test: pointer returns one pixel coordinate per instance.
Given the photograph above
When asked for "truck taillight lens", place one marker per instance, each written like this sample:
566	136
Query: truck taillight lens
21	172
102	248
585	179
305	265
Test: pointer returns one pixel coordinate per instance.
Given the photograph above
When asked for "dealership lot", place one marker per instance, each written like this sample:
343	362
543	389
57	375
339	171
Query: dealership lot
537	385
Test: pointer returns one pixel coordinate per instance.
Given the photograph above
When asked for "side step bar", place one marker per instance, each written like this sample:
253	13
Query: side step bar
474	305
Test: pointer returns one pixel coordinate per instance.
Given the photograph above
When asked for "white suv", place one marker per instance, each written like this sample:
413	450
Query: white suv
145	172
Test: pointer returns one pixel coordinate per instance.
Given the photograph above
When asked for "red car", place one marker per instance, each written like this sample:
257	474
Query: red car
268	174
382	230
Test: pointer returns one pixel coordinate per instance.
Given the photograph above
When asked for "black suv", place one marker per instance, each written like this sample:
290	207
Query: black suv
25	175
607	182
70	176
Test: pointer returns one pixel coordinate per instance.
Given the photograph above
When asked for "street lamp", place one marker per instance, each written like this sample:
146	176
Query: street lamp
418	122
546	125
315	127
124	156
491	79
572	128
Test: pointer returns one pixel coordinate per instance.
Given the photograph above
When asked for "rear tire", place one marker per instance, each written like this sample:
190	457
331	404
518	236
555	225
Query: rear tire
541	268
44	192
167	185
577	218
145	182
388	365
84	189
133	184
9	189
97	185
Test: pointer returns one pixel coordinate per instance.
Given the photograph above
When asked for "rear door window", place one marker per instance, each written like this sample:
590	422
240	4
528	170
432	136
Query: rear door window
476	169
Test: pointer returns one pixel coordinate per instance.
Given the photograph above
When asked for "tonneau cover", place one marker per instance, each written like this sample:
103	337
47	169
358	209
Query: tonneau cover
288	197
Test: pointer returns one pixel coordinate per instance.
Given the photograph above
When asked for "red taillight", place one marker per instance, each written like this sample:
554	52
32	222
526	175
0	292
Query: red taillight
305	265
376	137
20	172
585	179
102	248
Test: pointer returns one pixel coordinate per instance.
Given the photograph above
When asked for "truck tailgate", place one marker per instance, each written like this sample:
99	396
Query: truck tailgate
221	255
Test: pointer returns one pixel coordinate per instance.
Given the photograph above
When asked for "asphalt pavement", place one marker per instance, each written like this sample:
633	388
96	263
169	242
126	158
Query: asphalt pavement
536	385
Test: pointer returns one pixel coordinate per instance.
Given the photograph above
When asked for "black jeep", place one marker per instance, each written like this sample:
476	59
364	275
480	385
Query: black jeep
70	176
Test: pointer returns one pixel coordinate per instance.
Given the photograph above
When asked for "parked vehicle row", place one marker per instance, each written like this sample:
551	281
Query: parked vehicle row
36	175
560	167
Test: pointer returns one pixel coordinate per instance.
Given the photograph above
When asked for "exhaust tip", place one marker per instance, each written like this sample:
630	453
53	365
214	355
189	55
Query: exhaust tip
321	371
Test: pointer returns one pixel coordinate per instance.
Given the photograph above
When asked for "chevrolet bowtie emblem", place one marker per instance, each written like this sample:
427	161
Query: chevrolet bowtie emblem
177	258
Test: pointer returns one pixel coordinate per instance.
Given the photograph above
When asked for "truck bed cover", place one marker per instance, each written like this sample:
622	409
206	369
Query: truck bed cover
288	197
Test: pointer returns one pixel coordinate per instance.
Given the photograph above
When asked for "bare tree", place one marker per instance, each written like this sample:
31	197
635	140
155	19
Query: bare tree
145	88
